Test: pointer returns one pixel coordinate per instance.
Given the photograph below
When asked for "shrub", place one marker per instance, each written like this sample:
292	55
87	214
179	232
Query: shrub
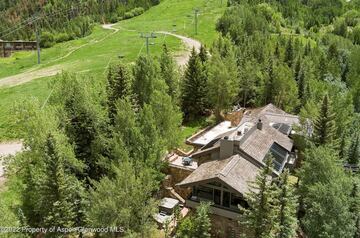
61	37
47	39
134	12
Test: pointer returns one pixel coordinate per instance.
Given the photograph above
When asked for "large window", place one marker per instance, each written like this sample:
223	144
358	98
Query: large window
236	201
217	197
205	193
226	199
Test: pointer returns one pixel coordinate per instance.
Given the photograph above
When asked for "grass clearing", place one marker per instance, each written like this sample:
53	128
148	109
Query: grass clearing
193	127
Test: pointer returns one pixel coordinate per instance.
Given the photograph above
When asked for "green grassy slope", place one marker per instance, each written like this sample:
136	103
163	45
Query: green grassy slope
93	53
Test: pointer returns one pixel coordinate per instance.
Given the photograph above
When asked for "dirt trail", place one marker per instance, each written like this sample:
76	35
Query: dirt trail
49	71
182	57
190	43
28	76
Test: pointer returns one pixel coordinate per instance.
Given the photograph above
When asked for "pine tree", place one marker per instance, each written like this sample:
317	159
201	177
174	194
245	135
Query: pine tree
307	50
124	200
146	77
119	83
302	87
261	216
202	221
285	91
355	206
169	73
203	54
126	128
197	225
289	53
324	125
342	148
152	145
84	121
223	83
354	153
325	192
269	92
297	69
59	189
277	52
193	95
287	208
168	118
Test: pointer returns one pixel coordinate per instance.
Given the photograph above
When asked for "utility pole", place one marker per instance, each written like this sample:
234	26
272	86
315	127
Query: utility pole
37	43
196	20
147	37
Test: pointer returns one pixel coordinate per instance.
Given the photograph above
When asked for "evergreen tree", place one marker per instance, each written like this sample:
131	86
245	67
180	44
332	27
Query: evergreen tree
119	83
152	143
193	95
168	118
285	90
307	50
169	74
202	221
289	53
297	69
146	78
354	153
223	82
59	189
84	121
355	206
302	88
203	54
261	216
124	200
287	208
197	225
277	52
126	128
324	125
325	191
269	86
186	228
343	153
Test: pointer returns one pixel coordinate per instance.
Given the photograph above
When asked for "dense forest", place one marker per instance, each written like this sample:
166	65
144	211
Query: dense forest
94	154
59	21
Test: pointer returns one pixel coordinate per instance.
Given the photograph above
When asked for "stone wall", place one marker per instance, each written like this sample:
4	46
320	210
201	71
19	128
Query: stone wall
178	175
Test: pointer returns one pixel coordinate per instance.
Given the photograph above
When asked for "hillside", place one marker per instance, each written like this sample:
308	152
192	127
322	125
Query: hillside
93	53
63	20
256	134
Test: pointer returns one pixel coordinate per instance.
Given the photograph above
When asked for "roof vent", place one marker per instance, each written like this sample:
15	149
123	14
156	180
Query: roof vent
259	125
226	138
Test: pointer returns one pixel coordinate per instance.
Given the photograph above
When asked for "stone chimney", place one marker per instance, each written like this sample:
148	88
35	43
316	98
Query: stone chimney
259	125
226	148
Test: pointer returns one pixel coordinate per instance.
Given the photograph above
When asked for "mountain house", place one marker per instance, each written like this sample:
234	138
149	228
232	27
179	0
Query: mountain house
229	157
